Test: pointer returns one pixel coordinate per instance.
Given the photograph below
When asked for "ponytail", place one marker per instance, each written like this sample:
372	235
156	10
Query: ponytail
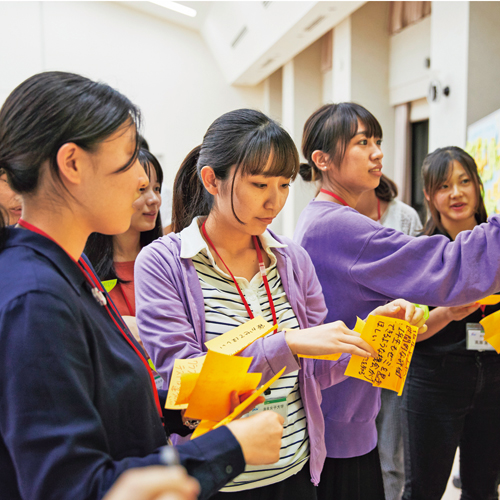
310	173
387	189
190	198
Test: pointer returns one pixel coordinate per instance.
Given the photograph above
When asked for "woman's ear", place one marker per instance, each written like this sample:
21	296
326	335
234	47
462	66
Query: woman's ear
321	159
209	180
69	159
427	197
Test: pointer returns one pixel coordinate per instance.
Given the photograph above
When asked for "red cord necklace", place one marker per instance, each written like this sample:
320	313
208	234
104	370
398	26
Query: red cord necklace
333	195
98	292
262	268
127	302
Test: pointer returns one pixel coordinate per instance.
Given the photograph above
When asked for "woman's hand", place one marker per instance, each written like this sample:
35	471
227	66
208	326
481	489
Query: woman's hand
460	312
331	338
156	482
236	400
402	309
259	437
443	316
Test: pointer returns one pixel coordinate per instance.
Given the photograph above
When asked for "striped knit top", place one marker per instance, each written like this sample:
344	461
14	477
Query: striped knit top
224	310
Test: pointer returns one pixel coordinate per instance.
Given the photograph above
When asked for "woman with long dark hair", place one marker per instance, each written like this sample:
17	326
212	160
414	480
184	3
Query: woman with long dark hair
78	404
361	264
452	397
223	267
113	257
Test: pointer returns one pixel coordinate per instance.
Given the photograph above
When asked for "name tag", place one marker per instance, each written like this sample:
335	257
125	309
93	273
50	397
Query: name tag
475	338
277	405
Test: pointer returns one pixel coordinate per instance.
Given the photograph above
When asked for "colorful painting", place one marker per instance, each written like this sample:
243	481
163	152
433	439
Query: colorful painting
483	144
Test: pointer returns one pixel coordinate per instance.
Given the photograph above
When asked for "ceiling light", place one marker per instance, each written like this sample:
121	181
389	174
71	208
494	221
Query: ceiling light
182	9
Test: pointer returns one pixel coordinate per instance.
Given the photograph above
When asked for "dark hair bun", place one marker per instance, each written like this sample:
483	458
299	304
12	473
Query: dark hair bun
306	172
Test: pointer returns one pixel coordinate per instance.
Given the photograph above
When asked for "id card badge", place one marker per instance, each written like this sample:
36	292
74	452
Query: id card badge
475	338
279	406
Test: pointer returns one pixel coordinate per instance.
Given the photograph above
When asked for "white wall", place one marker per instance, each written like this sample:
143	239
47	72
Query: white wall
302	94
484	70
165	69
408	75
449	63
341	65
370	50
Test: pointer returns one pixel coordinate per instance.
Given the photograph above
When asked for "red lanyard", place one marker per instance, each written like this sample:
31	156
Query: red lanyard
98	293
126	300
333	195
262	268
378	210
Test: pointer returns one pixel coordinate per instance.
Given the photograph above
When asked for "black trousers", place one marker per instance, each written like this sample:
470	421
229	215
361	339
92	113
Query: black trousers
452	400
357	478
297	487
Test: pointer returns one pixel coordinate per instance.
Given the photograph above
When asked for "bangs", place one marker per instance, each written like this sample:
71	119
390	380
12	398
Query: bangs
372	126
348	122
270	152
150	164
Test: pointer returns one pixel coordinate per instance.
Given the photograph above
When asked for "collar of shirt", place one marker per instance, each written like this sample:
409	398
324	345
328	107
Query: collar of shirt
18	237
192	242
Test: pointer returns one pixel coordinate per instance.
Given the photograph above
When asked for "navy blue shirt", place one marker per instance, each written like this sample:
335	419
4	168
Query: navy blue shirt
76	403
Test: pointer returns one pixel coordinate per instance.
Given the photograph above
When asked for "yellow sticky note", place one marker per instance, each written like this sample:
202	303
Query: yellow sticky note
491	300
203	427
188	382
360	324
243	406
181	366
239	338
220	375
250	382
329	357
394	340
491	325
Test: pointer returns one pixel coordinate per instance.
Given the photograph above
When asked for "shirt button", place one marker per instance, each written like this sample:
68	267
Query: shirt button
229	469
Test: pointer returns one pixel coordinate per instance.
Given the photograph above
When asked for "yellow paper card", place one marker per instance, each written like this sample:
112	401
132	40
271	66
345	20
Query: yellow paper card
250	382
491	325
329	357
203	427
220	375
243	406
394	340
239	338
360	324
181	366
188	382
491	300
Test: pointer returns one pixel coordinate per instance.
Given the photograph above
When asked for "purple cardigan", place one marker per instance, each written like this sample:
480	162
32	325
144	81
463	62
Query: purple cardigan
171	320
361	265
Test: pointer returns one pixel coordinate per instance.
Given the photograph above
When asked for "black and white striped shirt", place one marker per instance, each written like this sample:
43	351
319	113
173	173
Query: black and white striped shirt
224	311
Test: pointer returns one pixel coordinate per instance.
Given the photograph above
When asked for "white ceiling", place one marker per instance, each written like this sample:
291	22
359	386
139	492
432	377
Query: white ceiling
194	23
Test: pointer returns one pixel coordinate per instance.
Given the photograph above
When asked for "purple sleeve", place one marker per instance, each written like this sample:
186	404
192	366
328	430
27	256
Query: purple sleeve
313	310
430	270
164	323
166	326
